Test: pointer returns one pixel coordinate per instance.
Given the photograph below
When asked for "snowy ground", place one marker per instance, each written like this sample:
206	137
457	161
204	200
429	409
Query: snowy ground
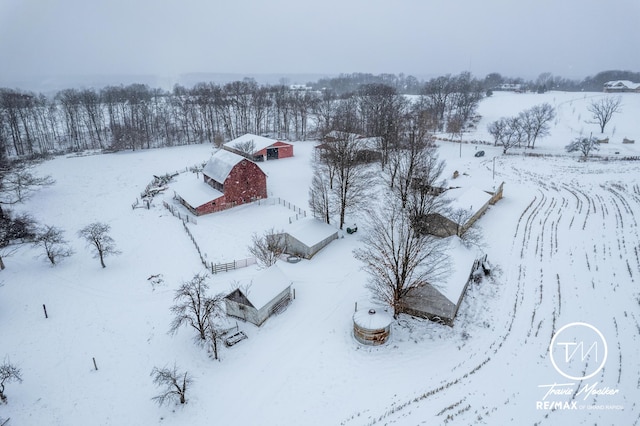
564	240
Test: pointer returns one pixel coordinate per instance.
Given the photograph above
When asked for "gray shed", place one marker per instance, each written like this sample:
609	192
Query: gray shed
441	300
306	237
267	294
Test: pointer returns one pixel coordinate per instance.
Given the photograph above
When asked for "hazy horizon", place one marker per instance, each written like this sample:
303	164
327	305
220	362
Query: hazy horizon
42	43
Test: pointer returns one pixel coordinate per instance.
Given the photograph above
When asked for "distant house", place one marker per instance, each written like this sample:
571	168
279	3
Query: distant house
259	148
620	86
440	301
510	87
230	180
267	294
306	237
465	206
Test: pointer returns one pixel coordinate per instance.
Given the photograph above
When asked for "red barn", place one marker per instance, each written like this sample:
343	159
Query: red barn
232	180
259	148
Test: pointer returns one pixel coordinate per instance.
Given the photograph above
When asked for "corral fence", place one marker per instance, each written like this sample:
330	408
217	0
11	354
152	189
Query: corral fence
218	267
300	213
230	266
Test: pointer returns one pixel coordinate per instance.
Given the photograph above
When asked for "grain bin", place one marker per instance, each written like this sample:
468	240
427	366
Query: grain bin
372	326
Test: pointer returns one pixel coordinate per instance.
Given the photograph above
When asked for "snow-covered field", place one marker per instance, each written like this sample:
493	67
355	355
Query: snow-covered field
564	242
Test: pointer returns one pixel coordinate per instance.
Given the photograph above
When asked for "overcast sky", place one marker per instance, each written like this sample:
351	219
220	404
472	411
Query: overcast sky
571	38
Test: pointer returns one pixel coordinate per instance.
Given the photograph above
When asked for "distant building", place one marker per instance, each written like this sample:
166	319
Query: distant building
620	86
229	180
510	87
259	148
267	294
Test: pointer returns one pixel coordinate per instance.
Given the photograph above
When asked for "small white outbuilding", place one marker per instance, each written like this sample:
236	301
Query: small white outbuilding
266	294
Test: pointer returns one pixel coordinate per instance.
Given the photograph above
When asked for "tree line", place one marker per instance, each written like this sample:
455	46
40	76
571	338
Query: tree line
139	117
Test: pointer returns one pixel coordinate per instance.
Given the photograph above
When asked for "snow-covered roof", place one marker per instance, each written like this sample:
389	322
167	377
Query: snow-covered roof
259	142
461	259
194	190
622	84
220	165
310	231
471	199
266	286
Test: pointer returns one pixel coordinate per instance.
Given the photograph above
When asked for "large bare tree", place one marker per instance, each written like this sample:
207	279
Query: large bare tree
193	307
97	237
52	240
603	109
320	197
397	256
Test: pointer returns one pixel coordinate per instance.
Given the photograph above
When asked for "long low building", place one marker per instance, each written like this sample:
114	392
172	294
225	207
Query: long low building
306	237
440	301
259	148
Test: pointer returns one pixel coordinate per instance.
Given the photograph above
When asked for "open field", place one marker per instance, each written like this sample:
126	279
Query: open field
564	243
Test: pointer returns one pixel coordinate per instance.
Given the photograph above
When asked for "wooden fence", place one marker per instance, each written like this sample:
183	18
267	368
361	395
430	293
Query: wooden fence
229	266
182	216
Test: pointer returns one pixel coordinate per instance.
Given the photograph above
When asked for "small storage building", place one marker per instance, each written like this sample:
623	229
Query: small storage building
267	294
440	301
259	148
306	237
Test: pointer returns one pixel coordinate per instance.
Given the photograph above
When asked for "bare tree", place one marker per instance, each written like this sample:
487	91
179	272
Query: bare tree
352	177
194	307
397	257
584	145
14	229
247	148
603	109
537	122
497	129
215	334
173	384
8	373
320	201
508	132
18	183
268	247
424	187
55	246
97	237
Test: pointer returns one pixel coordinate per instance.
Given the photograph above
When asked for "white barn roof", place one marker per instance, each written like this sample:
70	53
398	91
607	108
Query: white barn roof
195	191
220	165
259	142
266	286
310	231
470	199
461	259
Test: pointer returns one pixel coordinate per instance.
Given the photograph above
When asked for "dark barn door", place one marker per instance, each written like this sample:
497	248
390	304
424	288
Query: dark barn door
272	153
